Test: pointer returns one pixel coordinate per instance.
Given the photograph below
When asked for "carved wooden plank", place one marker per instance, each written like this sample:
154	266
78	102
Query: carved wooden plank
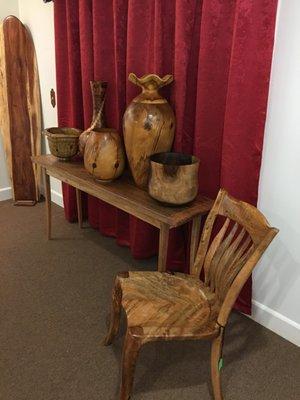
20	109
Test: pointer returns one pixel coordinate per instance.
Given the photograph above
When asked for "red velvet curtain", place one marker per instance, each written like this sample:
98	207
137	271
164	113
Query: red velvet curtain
219	52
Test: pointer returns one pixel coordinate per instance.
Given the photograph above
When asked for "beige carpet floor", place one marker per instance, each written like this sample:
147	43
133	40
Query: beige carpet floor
54	298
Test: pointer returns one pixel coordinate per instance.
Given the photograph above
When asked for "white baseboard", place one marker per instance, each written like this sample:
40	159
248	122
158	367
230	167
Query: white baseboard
57	198
5	193
276	322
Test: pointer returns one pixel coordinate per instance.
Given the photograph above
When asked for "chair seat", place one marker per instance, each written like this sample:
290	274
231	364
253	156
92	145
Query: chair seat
163	305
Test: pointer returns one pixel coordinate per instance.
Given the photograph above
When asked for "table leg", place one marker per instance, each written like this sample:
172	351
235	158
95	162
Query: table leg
79	206
163	247
194	239
47	190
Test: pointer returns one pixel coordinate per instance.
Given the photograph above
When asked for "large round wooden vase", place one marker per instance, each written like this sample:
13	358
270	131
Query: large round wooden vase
98	89
104	156
149	125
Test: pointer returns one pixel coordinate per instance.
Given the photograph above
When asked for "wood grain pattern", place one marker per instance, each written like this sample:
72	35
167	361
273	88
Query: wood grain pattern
162	306
4	110
79	207
104	155
98	89
123	194
195	235
216	354
116	307
63	142
173	178
163	247
149	125
47	190
21	110
166	305
131	351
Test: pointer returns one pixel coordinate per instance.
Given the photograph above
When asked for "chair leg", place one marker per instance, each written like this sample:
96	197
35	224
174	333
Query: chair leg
131	350
216	353
115	313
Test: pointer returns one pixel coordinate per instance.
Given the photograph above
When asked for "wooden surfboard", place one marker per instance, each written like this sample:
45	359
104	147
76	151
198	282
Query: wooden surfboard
20	111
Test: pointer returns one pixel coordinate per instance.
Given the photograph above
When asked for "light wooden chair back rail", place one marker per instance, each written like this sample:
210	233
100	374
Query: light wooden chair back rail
176	306
230	257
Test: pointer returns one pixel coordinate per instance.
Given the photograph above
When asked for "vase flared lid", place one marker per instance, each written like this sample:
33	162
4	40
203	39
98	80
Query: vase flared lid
150	84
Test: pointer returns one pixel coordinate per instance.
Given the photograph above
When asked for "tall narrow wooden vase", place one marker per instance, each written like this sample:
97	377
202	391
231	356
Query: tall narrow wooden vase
149	125
98	89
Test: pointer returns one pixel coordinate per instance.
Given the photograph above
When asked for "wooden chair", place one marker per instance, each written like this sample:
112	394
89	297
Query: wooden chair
166	306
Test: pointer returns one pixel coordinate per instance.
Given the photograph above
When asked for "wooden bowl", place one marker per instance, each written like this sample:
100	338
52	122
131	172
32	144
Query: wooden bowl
173	178
63	142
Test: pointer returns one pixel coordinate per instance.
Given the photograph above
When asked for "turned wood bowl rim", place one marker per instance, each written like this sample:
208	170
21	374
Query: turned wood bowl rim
154	158
65	132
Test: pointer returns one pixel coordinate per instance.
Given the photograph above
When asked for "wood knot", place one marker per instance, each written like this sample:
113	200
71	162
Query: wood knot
147	126
137	331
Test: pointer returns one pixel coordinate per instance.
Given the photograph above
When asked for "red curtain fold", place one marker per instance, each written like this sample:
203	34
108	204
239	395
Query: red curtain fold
219	52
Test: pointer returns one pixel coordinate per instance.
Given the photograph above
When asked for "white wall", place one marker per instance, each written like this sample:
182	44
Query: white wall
277	278
10	7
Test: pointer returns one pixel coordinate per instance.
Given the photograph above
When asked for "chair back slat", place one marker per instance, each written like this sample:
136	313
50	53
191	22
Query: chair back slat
245	215
231	273
219	256
239	244
214	252
229	258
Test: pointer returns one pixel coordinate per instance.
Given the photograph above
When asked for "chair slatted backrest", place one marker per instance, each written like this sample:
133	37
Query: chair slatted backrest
230	257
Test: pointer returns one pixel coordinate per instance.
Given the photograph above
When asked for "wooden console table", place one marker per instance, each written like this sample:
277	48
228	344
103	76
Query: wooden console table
124	195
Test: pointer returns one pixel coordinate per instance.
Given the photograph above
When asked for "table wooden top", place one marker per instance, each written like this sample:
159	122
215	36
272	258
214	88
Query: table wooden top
123	194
